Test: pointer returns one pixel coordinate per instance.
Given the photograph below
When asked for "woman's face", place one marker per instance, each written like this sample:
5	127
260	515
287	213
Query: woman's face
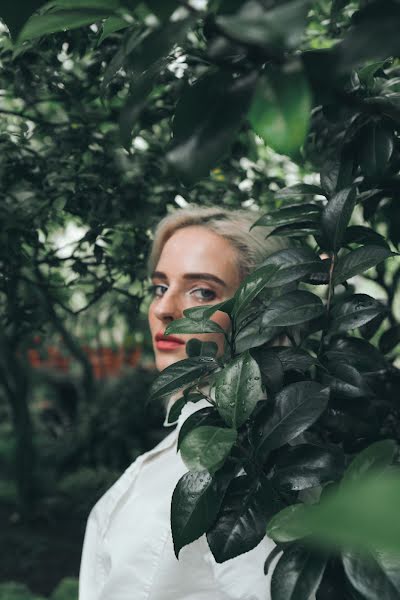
196	267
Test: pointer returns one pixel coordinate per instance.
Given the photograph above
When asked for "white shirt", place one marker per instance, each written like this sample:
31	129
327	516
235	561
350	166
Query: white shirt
128	551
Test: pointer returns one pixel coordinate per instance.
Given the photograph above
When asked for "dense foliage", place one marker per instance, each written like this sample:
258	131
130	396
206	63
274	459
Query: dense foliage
291	430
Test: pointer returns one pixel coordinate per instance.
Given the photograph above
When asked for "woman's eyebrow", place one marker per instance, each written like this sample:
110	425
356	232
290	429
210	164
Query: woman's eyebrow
190	276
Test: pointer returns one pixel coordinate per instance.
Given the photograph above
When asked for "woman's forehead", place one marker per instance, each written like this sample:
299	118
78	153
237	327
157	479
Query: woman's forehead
196	249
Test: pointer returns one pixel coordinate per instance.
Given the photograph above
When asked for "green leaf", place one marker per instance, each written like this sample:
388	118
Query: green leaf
251	287
389	340
294	264
374	575
358	234
195	347
176	409
136	102
195	504
176	376
251	335
374	37
304	466
359	515
16	14
295	359
297	574
238	389
376	457
359	260
112	25
207	119
292	308
354	312
281	109
207	447
376	145
207	416
202	313
336	216
281	26
299	190
346	381
162	8
271	368
295	230
357	352
240	525
291	412
289	215
51	22
289	524
143	51
190	326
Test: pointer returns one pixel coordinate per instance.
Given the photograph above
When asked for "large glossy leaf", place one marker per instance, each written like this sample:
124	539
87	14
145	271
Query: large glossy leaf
292	308
281	108
180	374
240	525
207	447
251	287
299	191
271	368
336	216
363	235
289	524
136	102
238	389
346	381
195	504
253	334
280	27
294	264
15	14
190	326
207	416
207	118
144	51
354	312
376	457
295	230
51	22
374	37
375	575
295	359
304	466
195	347
298	574
389	339
204	312
359	260
376	148
162	8
357	352
287	215
293	410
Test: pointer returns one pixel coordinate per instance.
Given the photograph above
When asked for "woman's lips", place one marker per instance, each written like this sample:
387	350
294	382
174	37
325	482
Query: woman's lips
168	342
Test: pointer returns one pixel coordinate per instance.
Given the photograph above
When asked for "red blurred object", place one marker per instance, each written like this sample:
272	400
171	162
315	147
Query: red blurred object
105	362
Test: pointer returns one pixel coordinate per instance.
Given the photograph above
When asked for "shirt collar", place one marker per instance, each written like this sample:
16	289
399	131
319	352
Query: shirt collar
188	409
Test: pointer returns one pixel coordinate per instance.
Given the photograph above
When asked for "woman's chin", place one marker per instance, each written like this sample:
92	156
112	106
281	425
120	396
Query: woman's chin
164	360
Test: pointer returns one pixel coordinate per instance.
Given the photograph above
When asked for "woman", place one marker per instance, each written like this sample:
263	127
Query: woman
199	256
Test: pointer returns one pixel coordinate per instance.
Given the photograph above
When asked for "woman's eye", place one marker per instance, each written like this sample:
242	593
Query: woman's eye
157	290
204	294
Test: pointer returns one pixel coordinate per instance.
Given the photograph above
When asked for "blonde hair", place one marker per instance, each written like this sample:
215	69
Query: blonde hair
232	224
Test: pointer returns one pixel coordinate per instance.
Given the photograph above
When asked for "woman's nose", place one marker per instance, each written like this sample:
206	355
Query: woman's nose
168	307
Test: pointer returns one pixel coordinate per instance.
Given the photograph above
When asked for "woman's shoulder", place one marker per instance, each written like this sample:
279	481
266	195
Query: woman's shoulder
105	506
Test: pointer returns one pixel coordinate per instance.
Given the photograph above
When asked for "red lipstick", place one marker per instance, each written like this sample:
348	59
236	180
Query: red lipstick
167	342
